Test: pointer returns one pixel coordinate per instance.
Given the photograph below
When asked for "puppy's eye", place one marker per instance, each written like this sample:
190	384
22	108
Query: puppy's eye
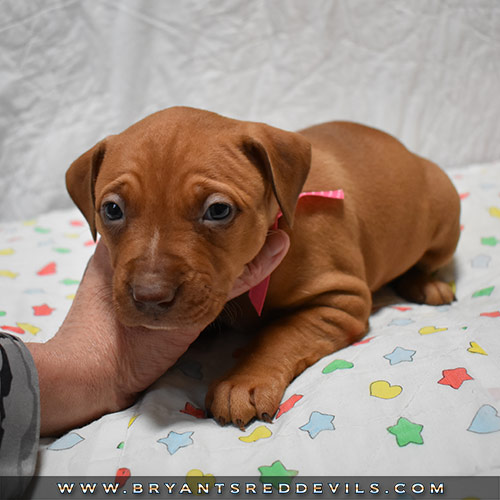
112	211
218	212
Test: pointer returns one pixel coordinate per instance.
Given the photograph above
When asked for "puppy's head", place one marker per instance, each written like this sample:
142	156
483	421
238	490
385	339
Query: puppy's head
183	200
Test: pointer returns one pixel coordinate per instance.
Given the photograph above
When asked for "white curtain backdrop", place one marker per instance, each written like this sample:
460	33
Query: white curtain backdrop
74	71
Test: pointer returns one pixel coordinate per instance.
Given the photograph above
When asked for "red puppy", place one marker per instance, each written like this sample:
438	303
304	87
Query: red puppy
184	199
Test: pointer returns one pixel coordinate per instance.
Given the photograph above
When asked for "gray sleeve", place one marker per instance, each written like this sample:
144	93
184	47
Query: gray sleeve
19	409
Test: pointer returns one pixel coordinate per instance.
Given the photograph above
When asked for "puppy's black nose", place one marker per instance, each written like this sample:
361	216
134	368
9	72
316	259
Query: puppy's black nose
153	297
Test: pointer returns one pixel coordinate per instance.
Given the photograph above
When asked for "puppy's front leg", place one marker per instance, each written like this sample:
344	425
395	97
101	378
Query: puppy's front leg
283	349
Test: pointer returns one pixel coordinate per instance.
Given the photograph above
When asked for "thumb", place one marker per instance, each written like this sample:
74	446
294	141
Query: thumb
266	261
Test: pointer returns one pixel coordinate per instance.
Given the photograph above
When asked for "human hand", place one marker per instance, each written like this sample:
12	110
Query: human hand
95	365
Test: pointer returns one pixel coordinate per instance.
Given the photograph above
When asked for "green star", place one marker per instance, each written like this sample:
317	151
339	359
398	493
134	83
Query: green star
274	474
406	432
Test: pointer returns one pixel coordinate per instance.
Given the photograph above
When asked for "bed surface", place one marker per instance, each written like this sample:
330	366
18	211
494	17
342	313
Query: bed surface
419	395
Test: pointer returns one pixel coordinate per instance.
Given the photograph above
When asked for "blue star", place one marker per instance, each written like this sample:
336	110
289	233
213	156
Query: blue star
174	441
318	422
399	354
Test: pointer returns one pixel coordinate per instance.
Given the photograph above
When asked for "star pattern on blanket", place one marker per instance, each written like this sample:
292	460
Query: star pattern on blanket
276	473
455	377
407	432
318	422
399	355
43	310
174	441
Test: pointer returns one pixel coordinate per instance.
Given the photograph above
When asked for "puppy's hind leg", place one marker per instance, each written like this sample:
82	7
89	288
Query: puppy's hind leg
420	287
419	283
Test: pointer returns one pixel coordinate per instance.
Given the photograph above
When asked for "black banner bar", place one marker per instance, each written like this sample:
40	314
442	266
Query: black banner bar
373	488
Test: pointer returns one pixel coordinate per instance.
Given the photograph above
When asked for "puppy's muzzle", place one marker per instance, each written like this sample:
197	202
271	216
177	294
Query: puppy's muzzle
153	296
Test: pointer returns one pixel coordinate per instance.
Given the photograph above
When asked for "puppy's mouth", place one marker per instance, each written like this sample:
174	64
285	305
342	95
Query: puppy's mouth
188	306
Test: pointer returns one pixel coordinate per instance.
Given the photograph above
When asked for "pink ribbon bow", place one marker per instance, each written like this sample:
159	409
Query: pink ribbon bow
257	294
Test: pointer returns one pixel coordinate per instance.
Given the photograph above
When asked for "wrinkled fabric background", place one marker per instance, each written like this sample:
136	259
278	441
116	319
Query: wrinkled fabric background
74	71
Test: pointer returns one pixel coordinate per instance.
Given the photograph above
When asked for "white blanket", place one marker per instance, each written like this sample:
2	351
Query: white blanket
419	395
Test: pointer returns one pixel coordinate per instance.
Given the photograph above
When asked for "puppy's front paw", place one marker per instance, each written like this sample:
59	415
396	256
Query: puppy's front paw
238	398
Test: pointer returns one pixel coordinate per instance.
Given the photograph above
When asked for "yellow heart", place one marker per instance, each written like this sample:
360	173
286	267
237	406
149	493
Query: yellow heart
495	212
426	330
260	432
194	481
477	349
382	389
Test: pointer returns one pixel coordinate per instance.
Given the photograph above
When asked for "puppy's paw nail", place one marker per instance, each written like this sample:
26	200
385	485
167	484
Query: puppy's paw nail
222	421
240	424
267	418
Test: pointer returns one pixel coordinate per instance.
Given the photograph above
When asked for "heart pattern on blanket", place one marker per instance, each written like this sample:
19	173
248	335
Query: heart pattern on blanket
485	421
261	432
476	349
194	479
382	389
338	364
427	330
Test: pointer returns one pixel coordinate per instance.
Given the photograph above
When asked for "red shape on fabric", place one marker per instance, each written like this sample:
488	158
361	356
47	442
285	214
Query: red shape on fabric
288	404
365	341
122	476
189	409
13	329
493	314
43	310
48	269
455	378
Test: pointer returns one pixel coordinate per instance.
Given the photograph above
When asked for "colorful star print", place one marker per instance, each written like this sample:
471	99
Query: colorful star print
43	310
175	441
318	422
407	432
455	378
399	355
276	473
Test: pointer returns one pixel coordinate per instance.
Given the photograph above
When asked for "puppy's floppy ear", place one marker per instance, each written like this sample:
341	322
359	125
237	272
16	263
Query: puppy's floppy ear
80	182
285	158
